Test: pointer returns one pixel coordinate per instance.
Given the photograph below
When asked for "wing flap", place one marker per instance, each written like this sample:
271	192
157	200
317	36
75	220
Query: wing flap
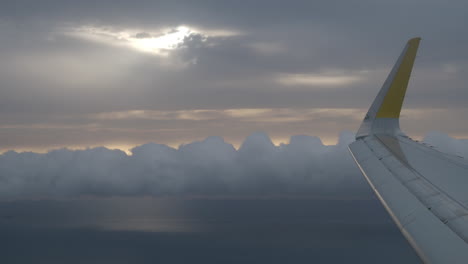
448	173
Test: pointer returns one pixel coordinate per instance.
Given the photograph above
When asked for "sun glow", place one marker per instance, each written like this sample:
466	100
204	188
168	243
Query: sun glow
156	41
159	44
323	79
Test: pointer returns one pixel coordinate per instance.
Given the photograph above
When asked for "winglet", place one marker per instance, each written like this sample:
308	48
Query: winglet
383	116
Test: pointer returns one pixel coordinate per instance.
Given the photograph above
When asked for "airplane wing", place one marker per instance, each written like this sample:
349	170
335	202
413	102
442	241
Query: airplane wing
424	190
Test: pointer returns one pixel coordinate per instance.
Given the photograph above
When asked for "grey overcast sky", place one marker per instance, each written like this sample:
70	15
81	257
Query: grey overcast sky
206	74
123	73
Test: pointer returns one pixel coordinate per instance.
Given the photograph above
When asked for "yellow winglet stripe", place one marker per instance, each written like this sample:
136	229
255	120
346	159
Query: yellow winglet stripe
391	105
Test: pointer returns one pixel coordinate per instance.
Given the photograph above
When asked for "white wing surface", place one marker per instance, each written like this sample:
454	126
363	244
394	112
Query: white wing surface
425	191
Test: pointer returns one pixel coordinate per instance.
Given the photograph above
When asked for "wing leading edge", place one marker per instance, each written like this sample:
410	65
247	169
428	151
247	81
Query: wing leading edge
423	189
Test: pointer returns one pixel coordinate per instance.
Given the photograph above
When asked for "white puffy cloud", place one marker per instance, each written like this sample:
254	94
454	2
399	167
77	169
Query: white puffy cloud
210	167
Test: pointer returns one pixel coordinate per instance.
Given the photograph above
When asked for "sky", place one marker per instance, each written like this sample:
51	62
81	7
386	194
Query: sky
132	131
118	74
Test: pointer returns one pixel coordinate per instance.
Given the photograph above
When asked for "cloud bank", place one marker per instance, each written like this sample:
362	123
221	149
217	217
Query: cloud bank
210	167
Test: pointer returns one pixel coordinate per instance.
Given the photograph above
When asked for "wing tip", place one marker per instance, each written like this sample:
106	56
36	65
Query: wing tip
384	113
413	40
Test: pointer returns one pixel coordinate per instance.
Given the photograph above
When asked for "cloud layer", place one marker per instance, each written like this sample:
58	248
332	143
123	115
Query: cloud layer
210	167
63	60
